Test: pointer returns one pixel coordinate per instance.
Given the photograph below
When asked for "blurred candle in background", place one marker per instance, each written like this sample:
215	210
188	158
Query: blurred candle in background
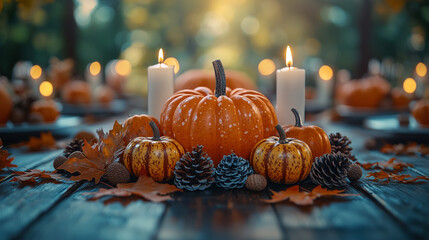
93	74
421	73
36	73
160	85
290	92
46	89
325	85
266	81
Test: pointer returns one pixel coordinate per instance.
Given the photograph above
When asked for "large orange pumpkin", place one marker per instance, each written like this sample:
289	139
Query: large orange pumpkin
5	106
282	160
420	112
314	136
204	78
154	156
224	122
138	126
47	109
364	93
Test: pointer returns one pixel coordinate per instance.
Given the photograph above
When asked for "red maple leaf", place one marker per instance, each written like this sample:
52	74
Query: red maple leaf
145	187
386	177
32	175
301	197
393	165
5	159
98	156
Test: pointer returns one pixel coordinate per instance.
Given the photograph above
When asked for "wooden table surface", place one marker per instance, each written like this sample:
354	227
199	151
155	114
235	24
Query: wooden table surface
380	211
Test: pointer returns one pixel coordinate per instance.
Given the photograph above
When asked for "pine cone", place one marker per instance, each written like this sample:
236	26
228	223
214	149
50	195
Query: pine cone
73	146
232	172
340	143
330	170
194	171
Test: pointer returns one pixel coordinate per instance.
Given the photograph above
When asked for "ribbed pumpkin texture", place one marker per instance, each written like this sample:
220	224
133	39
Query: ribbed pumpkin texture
420	112
223	122
153	156
314	136
282	160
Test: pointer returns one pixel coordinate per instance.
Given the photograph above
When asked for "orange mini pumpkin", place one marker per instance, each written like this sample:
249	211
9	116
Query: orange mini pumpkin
154	156
138	126
400	98
104	94
77	92
282	160
204	78
5	106
46	108
420	112
314	136
225	122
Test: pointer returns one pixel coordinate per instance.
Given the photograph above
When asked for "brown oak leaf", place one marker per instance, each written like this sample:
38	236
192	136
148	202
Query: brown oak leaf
145	187
5	159
46	141
392	165
98	156
302	197
33	175
385	177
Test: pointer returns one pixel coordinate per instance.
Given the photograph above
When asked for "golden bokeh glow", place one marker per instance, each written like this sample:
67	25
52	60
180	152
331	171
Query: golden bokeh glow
289	60
409	85
94	68
160	56
325	72
46	89
266	67
171	61
36	72
421	69
123	67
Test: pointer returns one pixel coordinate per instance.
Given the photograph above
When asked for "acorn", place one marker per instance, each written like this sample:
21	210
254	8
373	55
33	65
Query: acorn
77	154
88	136
117	173
256	182
355	173
59	160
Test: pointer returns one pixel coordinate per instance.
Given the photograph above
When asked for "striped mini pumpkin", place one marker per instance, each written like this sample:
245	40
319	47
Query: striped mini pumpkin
282	160
153	156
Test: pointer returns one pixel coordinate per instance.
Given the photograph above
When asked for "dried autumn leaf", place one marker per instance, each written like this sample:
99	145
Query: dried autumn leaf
145	187
385	177
5	159
98	156
33	175
46	140
301	197
393	165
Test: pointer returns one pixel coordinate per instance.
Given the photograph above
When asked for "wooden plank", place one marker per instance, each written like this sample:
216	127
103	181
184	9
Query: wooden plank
220	214
77	218
23	205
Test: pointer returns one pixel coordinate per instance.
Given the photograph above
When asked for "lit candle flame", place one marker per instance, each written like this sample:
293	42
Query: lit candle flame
46	88
94	68
409	85
289	59
326	73
160	56
123	67
36	72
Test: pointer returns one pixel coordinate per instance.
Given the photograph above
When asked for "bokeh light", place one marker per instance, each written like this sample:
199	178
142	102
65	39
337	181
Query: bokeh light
123	67
325	72
94	68
410	85
36	72
171	61
266	67
46	89
421	69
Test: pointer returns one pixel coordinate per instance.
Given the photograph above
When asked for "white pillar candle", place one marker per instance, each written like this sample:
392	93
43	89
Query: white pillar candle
325	85
160	86
290	92
93	74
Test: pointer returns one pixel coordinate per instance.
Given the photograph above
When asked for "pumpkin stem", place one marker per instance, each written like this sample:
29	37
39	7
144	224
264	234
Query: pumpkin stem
282	134
220	78
298	122
155	130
